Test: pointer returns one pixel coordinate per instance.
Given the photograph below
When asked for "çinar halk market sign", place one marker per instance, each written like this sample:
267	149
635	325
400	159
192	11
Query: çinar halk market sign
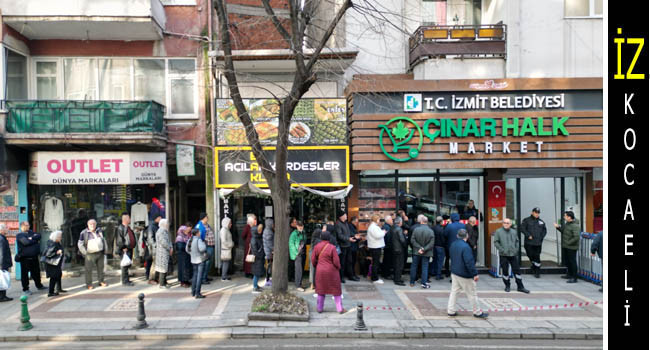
402	130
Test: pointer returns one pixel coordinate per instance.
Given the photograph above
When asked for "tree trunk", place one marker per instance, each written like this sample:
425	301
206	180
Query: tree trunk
281	243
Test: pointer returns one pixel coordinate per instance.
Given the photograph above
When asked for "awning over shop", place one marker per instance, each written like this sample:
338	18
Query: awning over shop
249	188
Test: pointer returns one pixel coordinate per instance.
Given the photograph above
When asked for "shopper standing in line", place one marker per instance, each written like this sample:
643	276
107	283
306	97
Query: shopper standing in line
125	241
197	250
451	232
506	240
257	249
148	244
164	251
183	236
207	235
472	231
344	239
225	237
439	247
247	235
268	238
399	250
92	246
570	241
5	258
423	241
328	276
53	262
386	267
375	245
297	244
353	223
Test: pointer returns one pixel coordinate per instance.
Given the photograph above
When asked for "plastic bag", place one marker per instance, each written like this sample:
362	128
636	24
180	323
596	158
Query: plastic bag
5	280
126	261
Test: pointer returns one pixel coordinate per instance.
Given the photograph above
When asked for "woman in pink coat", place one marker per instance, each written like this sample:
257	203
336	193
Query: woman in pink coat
328	279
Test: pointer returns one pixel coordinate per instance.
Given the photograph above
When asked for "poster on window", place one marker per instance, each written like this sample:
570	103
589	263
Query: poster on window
314	122
185	159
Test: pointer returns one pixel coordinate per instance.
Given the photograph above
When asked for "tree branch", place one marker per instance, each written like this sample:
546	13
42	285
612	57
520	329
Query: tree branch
326	36
276	22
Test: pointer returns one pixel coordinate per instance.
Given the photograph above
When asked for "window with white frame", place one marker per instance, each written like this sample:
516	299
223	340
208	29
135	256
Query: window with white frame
168	81
16	76
583	8
451	12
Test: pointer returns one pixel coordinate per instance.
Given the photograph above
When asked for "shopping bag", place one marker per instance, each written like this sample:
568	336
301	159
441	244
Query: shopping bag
126	261
5	280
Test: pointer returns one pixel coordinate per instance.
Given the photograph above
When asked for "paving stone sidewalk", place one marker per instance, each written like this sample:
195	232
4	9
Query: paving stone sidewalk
389	312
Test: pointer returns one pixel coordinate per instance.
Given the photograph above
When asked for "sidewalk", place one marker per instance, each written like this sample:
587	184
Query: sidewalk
389	312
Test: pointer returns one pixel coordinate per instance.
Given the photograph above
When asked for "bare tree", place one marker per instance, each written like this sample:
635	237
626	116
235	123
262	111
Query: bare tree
305	76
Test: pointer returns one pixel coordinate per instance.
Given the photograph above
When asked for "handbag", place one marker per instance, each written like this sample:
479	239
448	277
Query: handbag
226	254
250	258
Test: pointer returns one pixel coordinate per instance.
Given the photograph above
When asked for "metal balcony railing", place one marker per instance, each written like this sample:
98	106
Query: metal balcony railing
488	40
84	117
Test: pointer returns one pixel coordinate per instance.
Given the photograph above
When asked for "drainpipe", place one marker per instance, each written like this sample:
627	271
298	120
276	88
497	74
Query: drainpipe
215	197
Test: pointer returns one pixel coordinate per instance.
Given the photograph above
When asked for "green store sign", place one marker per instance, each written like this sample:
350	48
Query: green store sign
401	130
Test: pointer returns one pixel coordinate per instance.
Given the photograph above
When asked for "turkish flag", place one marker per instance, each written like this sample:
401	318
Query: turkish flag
496	194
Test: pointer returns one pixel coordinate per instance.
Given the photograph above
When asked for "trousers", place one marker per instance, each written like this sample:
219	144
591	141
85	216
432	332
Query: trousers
467	285
30	265
94	260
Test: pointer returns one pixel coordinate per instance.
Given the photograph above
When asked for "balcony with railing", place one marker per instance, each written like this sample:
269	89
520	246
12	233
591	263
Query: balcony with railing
465	41
85	123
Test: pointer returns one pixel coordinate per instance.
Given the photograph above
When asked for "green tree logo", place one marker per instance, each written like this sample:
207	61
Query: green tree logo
400	135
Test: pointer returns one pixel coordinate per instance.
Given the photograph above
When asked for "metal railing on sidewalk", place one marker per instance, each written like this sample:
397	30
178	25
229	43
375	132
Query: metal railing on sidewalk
590	267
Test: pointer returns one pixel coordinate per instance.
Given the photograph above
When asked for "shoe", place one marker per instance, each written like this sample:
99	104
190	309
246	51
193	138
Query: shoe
378	282
5	298
300	289
483	315
41	287
573	280
523	290
411	284
90	287
355	278
27	292
566	277
399	283
257	290
152	282
452	315
206	282
426	286
49	295
128	284
186	285
320	311
200	296
268	283
342	281
103	284
342	311
208	279
507	289
226	279
61	291
599	289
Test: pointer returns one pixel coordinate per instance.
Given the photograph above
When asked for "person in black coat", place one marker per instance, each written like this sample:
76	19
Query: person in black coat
344	239
399	250
354	246
472	232
126	241
5	258
439	249
53	258
29	247
257	249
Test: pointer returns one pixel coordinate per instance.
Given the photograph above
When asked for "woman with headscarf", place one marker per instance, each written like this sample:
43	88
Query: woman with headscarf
184	261
53	260
163	252
328	279
247	235
257	249
225	236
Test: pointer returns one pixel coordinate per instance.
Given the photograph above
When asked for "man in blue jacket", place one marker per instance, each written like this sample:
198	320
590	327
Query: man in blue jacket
451	230
463	275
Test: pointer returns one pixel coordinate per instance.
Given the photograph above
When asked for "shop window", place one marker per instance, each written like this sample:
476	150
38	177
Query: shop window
150	80
181	80
46	80
417	196
598	199
115	79
377	195
16	76
583	8
451	12
80	79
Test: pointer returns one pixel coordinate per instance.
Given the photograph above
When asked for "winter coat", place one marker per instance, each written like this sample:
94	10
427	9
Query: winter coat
82	244
29	247
354	246
125	238
196	249
257	249
326	261
226	243
295	241
462	260
342	234
441	239
597	245
53	259
399	240
5	254
570	235
247	236
388	238
163	245
375	236
506	241
268	235
147	241
423	238
451	230
533	227
472	238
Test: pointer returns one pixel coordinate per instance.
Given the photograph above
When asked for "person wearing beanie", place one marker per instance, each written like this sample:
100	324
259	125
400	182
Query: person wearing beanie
506	240
344	239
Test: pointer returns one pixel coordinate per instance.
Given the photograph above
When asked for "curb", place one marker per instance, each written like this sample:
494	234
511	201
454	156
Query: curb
317	332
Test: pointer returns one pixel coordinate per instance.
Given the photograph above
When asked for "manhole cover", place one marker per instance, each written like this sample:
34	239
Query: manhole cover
361	288
125	305
500	303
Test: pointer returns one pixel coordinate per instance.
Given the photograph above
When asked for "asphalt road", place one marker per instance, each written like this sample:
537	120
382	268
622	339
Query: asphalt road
374	344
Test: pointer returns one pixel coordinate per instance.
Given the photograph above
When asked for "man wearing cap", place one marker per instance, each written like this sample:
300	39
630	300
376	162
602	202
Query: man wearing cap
344	240
506	240
463	275
534	231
